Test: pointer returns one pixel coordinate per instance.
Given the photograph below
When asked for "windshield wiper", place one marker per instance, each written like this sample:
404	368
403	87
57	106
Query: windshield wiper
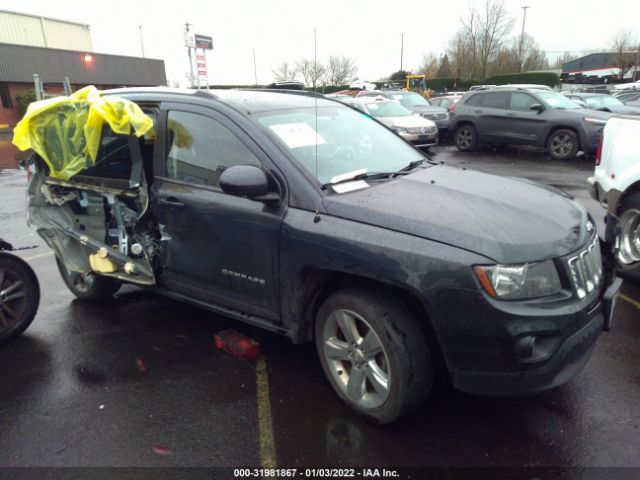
416	163
365	176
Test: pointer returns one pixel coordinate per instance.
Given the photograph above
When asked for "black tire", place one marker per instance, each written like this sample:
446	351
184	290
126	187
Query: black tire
89	287
466	138
401	359
19	296
630	208
563	144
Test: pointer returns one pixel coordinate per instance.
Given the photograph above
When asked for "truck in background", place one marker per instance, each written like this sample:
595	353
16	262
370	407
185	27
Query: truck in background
616	185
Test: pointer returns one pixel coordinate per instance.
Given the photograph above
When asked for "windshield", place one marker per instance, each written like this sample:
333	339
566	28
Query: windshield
387	109
602	102
410	99
554	100
347	140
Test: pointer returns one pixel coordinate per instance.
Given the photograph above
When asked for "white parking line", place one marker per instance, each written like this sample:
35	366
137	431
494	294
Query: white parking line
39	255
630	300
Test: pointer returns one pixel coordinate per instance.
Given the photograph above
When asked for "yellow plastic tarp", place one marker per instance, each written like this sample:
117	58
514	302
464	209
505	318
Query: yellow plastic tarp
66	131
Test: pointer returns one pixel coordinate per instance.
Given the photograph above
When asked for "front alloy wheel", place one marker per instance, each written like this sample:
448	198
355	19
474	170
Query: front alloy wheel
356	358
19	296
374	353
465	138
563	144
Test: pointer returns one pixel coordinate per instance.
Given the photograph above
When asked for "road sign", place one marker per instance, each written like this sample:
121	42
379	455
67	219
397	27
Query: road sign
204	42
189	40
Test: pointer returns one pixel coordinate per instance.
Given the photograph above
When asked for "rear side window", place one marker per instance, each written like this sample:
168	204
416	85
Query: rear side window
201	148
474	100
495	100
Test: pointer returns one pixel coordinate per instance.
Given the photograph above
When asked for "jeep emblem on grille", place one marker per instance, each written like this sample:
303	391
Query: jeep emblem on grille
589	226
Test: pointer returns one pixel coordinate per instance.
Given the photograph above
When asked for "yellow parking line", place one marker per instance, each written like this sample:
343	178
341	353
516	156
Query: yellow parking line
39	255
265	425
633	302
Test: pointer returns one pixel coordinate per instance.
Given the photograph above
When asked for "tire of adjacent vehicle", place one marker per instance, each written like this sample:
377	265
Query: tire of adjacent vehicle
408	359
19	279
563	144
630	204
89	287
466	138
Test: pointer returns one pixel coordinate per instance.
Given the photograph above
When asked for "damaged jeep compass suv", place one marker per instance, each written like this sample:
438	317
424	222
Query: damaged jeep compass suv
306	217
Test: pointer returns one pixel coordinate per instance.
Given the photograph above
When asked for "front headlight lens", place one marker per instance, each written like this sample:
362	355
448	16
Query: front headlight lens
521	281
400	129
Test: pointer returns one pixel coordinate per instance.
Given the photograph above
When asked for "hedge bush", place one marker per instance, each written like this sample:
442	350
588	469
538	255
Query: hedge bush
541	78
450	83
24	98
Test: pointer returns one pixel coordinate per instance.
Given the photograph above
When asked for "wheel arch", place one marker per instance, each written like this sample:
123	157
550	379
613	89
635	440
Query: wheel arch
553	129
320	284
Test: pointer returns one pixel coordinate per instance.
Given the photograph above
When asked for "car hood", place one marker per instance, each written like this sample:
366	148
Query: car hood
422	109
623	109
407	121
583	112
506	220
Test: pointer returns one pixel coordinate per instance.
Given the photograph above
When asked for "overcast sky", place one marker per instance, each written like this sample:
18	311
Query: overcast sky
282	31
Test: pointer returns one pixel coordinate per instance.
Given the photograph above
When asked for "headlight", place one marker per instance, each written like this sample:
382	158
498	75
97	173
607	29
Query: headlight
400	129
595	121
521	281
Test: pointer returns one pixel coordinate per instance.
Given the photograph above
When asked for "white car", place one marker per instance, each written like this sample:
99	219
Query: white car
362	85
420	131
616	185
627	86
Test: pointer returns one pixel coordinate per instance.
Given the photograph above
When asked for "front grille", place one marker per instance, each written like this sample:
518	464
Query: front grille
585	269
422	130
435	116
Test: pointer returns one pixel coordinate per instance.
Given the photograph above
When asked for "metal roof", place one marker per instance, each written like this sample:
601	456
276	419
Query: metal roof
23	14
18	63
593	61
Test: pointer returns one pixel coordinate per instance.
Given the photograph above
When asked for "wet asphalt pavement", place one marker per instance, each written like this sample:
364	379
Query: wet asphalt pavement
138	382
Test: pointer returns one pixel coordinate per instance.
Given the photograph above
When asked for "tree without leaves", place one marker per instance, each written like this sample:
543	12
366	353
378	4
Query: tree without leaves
625	45
313	73
284	73
429	65
484	33
562	59
340	70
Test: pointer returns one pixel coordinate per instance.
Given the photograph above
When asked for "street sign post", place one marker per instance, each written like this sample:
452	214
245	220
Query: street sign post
203	42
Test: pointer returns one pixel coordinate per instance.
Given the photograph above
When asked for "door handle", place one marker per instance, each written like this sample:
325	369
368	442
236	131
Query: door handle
172	202
511	114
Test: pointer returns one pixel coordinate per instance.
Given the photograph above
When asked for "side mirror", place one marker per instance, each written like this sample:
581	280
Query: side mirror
247	181
537	107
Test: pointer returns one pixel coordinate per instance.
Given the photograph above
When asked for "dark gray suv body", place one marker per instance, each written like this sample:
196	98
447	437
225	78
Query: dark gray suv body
527	117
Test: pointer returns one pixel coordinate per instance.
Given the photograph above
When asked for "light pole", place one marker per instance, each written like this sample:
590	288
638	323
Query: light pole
401	49
524	19
141	40
255	71
186	29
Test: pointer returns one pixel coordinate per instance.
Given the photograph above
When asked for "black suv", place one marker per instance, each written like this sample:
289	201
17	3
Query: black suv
540	118
309	218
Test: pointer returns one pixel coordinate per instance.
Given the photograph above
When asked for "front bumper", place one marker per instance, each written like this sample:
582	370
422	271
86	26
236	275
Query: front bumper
421	139
481	339
567	361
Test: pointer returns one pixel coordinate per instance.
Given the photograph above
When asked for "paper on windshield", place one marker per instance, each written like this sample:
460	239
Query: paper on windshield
349	186
296	135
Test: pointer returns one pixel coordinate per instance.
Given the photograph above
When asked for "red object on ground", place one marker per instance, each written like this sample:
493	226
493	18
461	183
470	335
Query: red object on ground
141	366
161	450
238	345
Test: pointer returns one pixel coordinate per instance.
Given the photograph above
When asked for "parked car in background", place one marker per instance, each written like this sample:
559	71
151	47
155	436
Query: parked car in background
446	101
616	185
627	86
599	101
362	85
297	214
528	117
627	95
420	131
417	104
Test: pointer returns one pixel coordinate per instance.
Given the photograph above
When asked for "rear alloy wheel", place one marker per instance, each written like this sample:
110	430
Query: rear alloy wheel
88	286
374	353
629	237
19	296
563	144
465	138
